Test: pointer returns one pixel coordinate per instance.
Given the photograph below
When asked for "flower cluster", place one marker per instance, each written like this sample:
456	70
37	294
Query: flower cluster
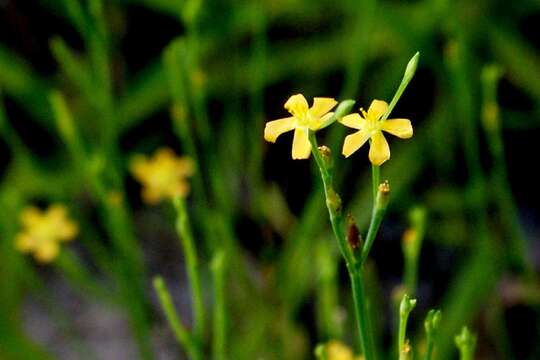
163	176
369	124
43	231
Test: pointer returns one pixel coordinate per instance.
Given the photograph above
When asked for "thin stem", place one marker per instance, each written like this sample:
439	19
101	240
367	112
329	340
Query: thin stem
431	325
188	245
181	334
377	215
405	307
362	314
375	180
219	316
333	202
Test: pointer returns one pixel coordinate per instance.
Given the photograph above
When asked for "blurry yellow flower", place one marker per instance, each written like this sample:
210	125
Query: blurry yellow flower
163	175
43	231
336	350
303	120
370	126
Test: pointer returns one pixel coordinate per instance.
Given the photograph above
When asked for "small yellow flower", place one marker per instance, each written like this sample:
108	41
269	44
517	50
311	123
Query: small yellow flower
303	120
43	231
336	350
163	175
370	126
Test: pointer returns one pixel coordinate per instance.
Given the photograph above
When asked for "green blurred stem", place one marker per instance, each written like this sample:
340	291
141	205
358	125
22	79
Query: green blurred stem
492	125
333	203
219	311
129	270
431	326
430	344
183	337
188	245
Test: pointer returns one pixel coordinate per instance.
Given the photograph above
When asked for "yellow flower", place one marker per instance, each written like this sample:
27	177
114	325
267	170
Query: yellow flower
303	120
163	175
336	350
43	231
370	126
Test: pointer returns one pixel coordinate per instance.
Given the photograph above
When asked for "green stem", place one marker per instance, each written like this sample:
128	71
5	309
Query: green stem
362	314
405	308
181	334
375	180
333	204
192	267
377	215
219	316
431	325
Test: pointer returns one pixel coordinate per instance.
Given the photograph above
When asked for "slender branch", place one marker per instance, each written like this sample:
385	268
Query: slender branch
181	334
188	245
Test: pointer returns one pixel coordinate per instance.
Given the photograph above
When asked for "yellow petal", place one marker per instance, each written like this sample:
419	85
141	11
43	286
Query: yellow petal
277	127
379	150
301	147
139	167
354	142
297	105
151	195
47	252
24	242
401	128
354	121
164	154
67	231
322	105
377	109
31	216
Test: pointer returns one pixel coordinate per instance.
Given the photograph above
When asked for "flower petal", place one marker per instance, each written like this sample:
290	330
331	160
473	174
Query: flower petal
297	105
354	142
322	105
379	150
277	127
301	147
377	109
24	242
152	195
401	128
354	121
31	216
47	252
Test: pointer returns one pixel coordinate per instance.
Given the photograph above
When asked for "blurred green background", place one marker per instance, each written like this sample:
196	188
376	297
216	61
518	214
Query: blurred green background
86	84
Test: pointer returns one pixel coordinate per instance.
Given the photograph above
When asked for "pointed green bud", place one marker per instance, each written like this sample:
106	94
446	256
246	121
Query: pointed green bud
344	108
411	67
